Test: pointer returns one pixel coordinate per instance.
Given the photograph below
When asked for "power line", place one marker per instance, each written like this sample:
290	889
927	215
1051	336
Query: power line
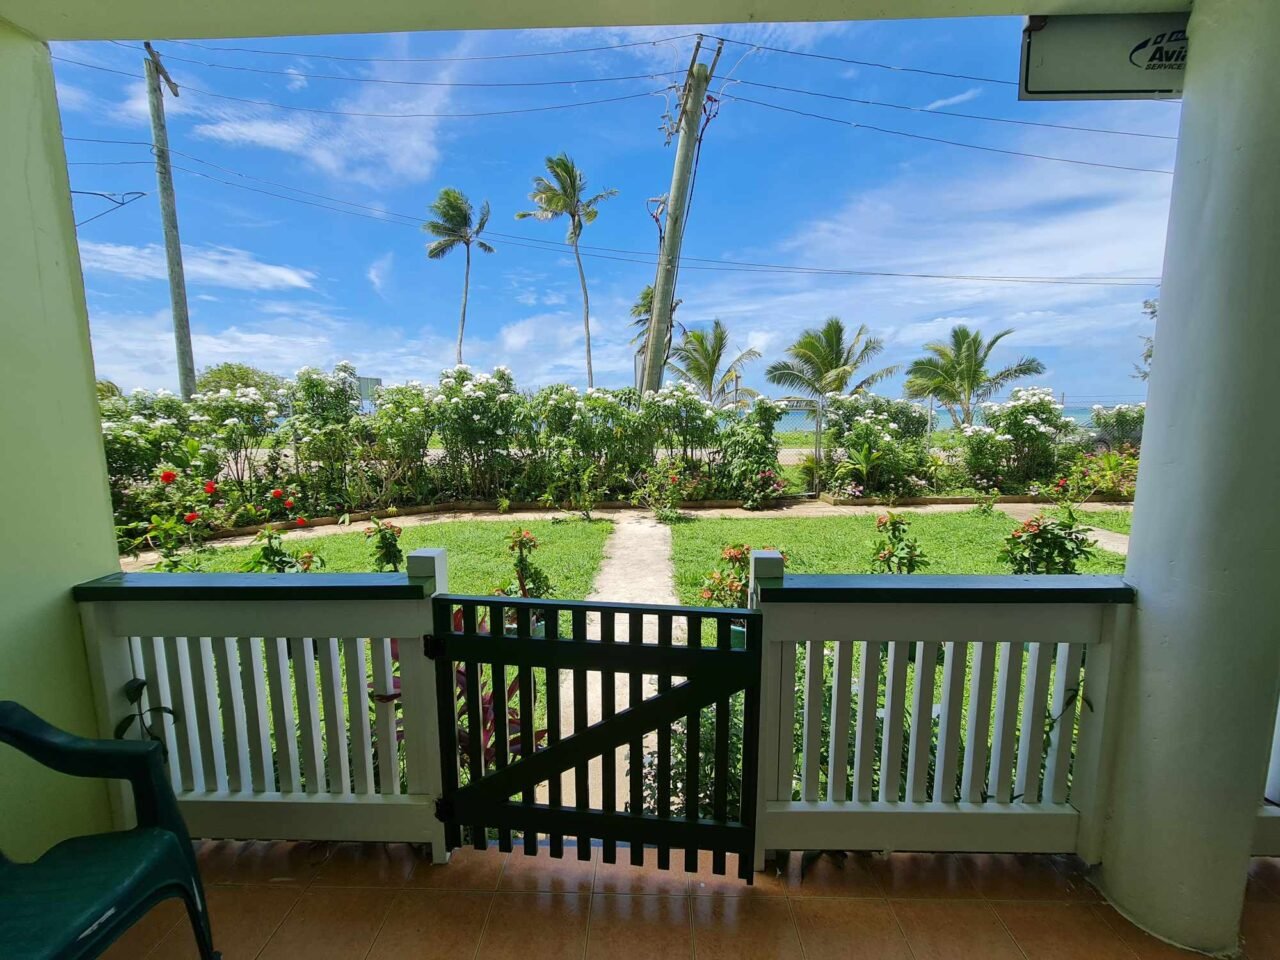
869	63
119	199
953	113
497	56
953	143
357	113
423	83
638	256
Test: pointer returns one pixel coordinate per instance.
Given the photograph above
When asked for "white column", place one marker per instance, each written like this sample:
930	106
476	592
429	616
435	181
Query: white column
1198	700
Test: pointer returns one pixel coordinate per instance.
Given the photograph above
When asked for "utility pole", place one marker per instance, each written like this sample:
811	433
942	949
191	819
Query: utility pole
689	123
155	72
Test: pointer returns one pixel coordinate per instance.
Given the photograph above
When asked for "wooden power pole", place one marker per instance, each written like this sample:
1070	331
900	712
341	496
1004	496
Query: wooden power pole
155	72
664	285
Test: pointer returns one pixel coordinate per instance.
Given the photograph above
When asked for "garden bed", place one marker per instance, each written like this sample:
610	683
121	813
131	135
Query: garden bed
926	501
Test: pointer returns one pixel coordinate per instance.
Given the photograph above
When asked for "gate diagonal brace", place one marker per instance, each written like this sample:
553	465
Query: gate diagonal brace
581	747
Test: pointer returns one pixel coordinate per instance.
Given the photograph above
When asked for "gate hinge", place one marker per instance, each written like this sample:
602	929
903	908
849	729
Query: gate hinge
444	809
432	646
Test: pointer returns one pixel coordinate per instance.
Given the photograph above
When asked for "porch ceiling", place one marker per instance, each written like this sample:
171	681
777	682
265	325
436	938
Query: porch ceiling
93	19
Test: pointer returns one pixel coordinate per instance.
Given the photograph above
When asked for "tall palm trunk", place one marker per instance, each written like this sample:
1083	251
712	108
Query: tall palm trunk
586	310
466	286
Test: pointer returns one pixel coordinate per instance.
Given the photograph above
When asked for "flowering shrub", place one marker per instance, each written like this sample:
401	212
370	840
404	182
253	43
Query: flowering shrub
385	538
895	552
749	454
882	442
273	557
1046	545
531	580
727	584
1018	442
1120	425
1112	473
662	488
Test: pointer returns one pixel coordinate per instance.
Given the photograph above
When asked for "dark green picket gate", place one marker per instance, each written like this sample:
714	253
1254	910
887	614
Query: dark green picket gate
487	683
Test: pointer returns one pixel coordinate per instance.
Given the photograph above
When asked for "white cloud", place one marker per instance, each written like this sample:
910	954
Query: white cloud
296	80
971	94
379	271
209	265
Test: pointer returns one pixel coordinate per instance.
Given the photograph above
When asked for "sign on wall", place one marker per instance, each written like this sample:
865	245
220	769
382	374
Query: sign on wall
1104	57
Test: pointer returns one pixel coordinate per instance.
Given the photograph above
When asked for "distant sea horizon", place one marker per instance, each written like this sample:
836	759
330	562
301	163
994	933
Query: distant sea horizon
800	420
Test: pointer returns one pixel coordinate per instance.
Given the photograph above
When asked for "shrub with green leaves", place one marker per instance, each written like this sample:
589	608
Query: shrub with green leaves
1047	545
1119	425
748	452
881	444
1019	442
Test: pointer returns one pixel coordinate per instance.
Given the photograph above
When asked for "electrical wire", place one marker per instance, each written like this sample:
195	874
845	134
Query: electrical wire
953	113
120	200
953	143
497	56
384	116
414	83
867	63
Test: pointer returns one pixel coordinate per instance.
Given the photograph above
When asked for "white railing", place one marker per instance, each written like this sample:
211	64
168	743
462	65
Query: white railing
1266	836
1000	745
303	707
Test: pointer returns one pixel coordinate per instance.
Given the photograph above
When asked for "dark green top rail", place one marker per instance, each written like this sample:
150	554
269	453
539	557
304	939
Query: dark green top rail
249	586
946	588
596	606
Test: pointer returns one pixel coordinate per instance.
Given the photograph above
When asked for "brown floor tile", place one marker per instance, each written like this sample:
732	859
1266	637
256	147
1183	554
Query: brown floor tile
1264	880
369	865
1021	876
954	930
1062	931
622	877
336	923
639	928
705	883
535	926
913	875
1143	945
547	874
261	861
848	930
147	932
432	925
243	919
1260	931
830	875
467	869
744	928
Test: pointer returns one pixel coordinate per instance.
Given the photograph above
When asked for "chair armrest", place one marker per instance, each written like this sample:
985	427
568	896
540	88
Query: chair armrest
140	762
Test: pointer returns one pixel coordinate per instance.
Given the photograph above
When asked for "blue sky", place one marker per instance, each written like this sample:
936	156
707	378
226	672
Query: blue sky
283	284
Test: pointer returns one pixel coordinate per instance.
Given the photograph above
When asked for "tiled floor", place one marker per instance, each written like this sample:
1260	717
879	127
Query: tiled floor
278	901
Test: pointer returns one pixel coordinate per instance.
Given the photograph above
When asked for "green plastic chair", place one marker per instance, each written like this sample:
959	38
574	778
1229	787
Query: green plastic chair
81	895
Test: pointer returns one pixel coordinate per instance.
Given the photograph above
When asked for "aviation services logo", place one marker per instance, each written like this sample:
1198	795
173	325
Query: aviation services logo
1162	51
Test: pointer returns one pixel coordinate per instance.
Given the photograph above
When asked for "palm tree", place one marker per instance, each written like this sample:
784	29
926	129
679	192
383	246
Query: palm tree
108	389
699	358
455	225
822	362
563	194
956	372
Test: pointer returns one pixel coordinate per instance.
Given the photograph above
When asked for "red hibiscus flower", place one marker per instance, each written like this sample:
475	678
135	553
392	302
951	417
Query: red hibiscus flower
210	487
289	504
277	493
302	521
191	517
168	476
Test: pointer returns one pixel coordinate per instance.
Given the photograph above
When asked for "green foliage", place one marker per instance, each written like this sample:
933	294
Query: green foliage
882	443
271	556
385	539
662	488
1112	473
1047	545
701	358
955	372
1020	443
531	580
896	552
236	376
749	454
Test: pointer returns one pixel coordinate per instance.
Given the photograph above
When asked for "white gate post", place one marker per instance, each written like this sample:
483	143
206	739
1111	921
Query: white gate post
111	666
418	695
767	570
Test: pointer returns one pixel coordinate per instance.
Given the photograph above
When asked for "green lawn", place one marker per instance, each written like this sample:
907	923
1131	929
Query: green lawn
1118	521
791	439
479	561
954	543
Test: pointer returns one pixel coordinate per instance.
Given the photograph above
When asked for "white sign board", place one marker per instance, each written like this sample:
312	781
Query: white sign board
1104	57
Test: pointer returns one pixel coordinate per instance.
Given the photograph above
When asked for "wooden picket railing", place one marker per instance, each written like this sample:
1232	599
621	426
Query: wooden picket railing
295	706
935	713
